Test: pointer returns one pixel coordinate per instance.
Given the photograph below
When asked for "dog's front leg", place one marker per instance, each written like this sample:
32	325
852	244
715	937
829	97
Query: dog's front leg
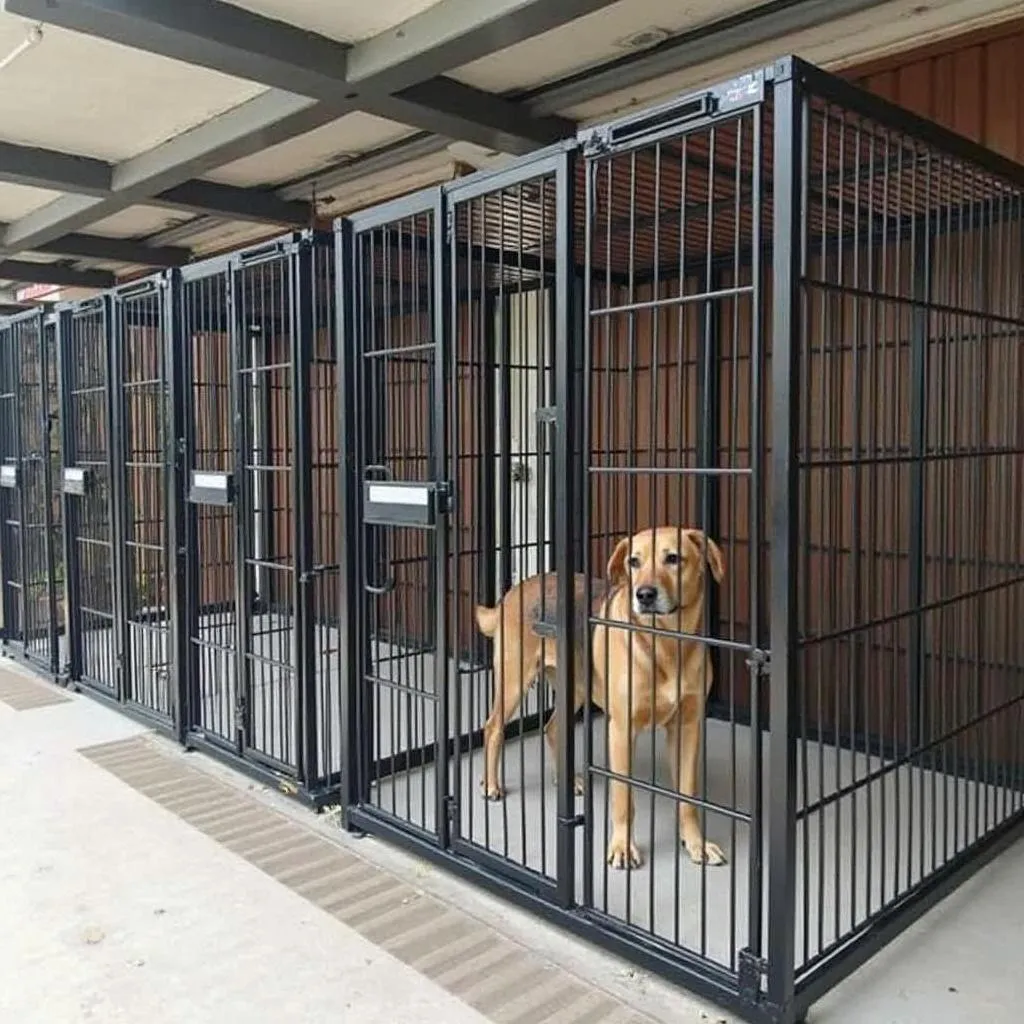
621	850
685	752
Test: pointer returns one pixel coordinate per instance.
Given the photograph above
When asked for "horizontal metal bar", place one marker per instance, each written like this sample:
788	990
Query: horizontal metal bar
670	794
669	634
674	300
671	470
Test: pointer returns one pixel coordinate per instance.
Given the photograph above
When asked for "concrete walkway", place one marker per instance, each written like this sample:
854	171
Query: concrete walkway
141	883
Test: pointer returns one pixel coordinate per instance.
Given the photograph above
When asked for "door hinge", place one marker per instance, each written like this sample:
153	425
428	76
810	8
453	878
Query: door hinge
444	498
759	662
751	970
241	707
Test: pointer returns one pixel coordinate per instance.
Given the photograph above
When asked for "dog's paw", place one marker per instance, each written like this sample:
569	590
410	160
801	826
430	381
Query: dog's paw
622	853
491	791
577	785
702	851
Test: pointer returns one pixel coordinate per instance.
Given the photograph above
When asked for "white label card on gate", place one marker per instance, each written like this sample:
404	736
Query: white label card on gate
388	494
210	481
8	476
74	475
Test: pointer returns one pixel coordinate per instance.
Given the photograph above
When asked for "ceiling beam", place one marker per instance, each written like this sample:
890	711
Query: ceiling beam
720	38
217	35
117	250
264	121
54	273
452	33
728	35
62	172
46	168
268	119
260	206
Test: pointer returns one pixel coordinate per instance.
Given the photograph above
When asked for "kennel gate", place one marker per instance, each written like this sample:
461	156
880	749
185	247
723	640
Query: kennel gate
31	552
258	507
88	484
471	367
143	461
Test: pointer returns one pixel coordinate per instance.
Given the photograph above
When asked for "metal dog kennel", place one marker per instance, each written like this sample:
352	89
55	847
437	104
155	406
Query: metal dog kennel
779	311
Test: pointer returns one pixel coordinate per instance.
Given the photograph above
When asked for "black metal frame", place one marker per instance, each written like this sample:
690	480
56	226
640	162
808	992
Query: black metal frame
30	554
874	642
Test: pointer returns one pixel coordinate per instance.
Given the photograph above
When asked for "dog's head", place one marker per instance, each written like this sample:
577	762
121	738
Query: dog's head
664	568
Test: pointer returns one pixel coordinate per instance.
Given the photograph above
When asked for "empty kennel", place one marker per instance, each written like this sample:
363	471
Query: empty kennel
781	311
31	548
255	426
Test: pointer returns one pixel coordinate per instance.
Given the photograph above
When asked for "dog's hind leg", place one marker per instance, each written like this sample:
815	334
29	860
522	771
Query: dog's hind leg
510	683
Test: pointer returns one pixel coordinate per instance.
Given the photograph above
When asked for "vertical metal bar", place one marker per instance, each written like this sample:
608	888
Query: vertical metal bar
17	387
117	492
788	165
72	579
442	367
486	540
47	414
182	602
758	621
243	507
567	358
577	342
352	640
505	442
918	418
709	360
304	652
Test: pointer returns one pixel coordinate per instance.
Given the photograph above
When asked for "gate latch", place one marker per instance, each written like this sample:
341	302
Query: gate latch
404	502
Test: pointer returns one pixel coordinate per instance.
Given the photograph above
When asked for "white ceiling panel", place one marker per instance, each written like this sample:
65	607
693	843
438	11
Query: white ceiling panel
344	20
37	257
82	95
409	177
843	43
136	221
336	142
614	32
17	200
227	235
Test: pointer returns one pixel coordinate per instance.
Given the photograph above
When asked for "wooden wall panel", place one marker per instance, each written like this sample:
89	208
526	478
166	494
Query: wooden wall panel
975	87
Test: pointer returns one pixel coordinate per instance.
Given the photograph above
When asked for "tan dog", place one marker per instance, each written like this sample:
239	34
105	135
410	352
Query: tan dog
655	579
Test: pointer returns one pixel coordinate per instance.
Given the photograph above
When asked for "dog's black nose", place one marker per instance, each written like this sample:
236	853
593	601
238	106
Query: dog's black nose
646	595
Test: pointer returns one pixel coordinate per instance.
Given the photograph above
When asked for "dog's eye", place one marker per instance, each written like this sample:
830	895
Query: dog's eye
633	561
672	558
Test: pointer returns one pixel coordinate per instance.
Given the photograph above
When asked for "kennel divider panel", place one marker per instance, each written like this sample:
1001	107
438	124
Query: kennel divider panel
89	487
509	237
145	459
908	576
399	362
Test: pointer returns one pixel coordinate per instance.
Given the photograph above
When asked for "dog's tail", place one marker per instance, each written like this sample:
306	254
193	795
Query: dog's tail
488	619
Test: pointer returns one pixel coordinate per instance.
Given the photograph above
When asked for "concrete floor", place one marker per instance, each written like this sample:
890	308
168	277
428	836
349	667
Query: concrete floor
118	910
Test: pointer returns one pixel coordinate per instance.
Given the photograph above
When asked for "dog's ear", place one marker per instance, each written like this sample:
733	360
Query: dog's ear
716	560
616	571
